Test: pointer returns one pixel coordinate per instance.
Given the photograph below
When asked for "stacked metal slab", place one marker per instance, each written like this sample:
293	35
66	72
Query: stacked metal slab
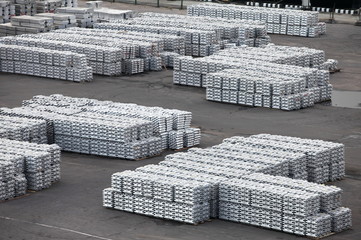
106	128
202	35
26	24
7	10
26	165
278	21
46	6
283	204
45	63
23	129
102	60
101	13
286	78
159	196
24	7
248	184
61	21
325	160
84	16
69	3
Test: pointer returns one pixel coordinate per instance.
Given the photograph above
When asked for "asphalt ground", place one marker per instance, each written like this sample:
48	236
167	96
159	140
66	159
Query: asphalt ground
72	208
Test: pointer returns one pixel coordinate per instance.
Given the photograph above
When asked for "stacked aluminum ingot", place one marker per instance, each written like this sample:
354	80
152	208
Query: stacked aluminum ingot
159	196
202	35
61	21
278	21
23	129
25	25
38	163
247	184
277	206
280	77
319	152
46	6
103	60
24	7
69	3
45	63
106	128
7	10
84	16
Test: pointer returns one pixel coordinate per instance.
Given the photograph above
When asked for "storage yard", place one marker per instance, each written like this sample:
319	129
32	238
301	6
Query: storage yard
173	127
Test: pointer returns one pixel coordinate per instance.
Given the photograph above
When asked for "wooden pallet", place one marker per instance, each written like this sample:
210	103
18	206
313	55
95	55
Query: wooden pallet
324	236
139	159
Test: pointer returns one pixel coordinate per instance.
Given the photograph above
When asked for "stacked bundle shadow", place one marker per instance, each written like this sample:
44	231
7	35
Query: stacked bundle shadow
25	165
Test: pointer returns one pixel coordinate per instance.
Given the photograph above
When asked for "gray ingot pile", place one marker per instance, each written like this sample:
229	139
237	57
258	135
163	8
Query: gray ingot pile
249	184
279	21
26	24
283	204
279	77
60	20
101	13
84	16
107	128
159	196
203	36
46	6
23	129
7	10
27	165
45	63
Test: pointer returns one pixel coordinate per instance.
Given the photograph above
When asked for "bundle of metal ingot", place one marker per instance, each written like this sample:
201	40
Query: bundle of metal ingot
7	10
84	16
25	25
159	196
46	6
45	63
278	21
23	129
61	21
134	52
26	165
107	128
103	60
69	3
202	35
294	206
325	160
279	77
101	13
24	7
247	183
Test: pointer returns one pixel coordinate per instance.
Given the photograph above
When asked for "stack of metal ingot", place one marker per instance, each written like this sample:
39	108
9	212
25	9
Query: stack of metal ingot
69	3
26	165
159	196
61	21
111	129
325	160
23	129
203	36
278	21
47	6
281	77
7	10
84	16
248	183
294	206
45	63
26	24
24	7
